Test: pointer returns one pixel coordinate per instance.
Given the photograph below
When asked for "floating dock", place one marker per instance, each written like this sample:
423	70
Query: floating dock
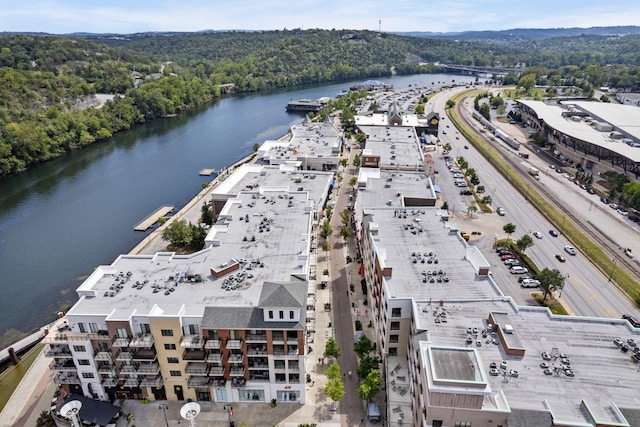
151	219
207	172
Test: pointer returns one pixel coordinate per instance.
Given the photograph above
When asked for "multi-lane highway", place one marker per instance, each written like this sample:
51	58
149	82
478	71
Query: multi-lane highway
587	290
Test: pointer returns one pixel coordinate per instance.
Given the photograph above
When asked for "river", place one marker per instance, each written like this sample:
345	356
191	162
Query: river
63	218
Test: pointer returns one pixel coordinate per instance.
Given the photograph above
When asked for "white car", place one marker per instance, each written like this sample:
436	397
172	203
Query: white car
570	250
537	234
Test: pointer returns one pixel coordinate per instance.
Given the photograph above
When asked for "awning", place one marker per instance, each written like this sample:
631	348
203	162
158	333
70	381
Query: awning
94	411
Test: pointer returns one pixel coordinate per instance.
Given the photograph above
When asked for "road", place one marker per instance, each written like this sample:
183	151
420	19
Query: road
587	291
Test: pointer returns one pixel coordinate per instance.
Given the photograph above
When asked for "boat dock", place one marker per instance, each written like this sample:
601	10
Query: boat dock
151	219
207	172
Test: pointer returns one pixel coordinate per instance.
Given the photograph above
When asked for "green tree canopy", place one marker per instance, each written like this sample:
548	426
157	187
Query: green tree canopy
331	349
363	346
509	229
334	389
524	242
550	281
370	386
333	371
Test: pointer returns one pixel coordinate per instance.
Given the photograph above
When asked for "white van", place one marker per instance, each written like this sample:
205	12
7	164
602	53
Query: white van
518	269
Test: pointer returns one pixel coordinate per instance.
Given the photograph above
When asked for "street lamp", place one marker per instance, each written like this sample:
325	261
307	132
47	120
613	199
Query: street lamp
229	410
164	408
613	267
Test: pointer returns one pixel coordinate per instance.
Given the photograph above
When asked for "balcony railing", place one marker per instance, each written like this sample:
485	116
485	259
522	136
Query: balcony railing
216	370
192	341
234	344
277	337
128	369
236	372
67	378
196	368
151	382
120	342
235	358
193	355
103	356
214	358
131	382
148	369
62	366
146	354
68	336
142	341
292	340
259	366
106	369
212	345
60	351
110	382
257	351
256	337
198	381
123	356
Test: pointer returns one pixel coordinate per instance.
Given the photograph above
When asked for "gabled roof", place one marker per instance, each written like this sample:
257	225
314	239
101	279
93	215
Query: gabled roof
285	294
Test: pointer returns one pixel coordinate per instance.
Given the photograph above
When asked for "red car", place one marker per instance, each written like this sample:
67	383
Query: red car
508	256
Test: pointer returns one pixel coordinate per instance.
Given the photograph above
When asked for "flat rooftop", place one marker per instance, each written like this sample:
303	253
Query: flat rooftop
397	146
311	140
267	235
552	115
605	378
378	187
427	259
260	178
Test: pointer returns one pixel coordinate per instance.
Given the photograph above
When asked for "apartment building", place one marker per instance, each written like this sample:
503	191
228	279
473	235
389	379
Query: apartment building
225	324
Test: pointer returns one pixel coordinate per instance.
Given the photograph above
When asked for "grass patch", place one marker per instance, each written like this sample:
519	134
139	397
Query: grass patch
551	303
591	250
10	378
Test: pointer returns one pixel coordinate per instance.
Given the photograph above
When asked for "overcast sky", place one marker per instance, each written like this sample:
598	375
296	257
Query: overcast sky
130	16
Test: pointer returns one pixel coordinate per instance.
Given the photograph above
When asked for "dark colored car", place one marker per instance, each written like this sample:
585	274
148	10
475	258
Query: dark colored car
554	233
466	193
604	200
560	258
631	319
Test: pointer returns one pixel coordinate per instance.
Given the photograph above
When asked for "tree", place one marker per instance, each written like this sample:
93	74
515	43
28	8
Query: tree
177	233
256	147
363	347
370	386
527	82
356	160
471	209
361	138
419	109
450	103
345	231
550	281
344	161
207	214
333	371
353	181
334	390
366	365
524	242
509	229
331	349
45	420
326	229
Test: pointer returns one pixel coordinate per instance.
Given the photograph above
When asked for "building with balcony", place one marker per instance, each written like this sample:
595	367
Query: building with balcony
225	324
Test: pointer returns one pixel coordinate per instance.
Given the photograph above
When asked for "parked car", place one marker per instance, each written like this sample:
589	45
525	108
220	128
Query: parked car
560	258
554	233
466	193
623	212
512	261
501	211
591	190
537	234
466	147
530	283
604	200
523	278
613	206
507	256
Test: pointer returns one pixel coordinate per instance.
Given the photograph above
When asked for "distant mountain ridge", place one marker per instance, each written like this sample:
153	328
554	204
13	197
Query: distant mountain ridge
518	34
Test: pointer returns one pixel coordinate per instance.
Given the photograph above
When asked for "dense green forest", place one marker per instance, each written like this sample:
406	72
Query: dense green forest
47	83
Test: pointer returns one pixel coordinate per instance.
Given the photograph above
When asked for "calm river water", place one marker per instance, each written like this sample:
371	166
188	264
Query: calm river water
62	219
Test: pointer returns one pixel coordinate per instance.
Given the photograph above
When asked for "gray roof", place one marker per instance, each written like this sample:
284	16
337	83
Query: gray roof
279	295
529	418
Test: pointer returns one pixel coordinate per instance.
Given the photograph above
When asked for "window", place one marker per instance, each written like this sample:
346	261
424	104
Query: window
393	339
169	346
83	329
145	328
175	373
122	333
396	312
393	351
172	360
93	327
461	424
281	314
87	375
194	329
395	326
291	314
84	362
166	332
270	314
79	348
